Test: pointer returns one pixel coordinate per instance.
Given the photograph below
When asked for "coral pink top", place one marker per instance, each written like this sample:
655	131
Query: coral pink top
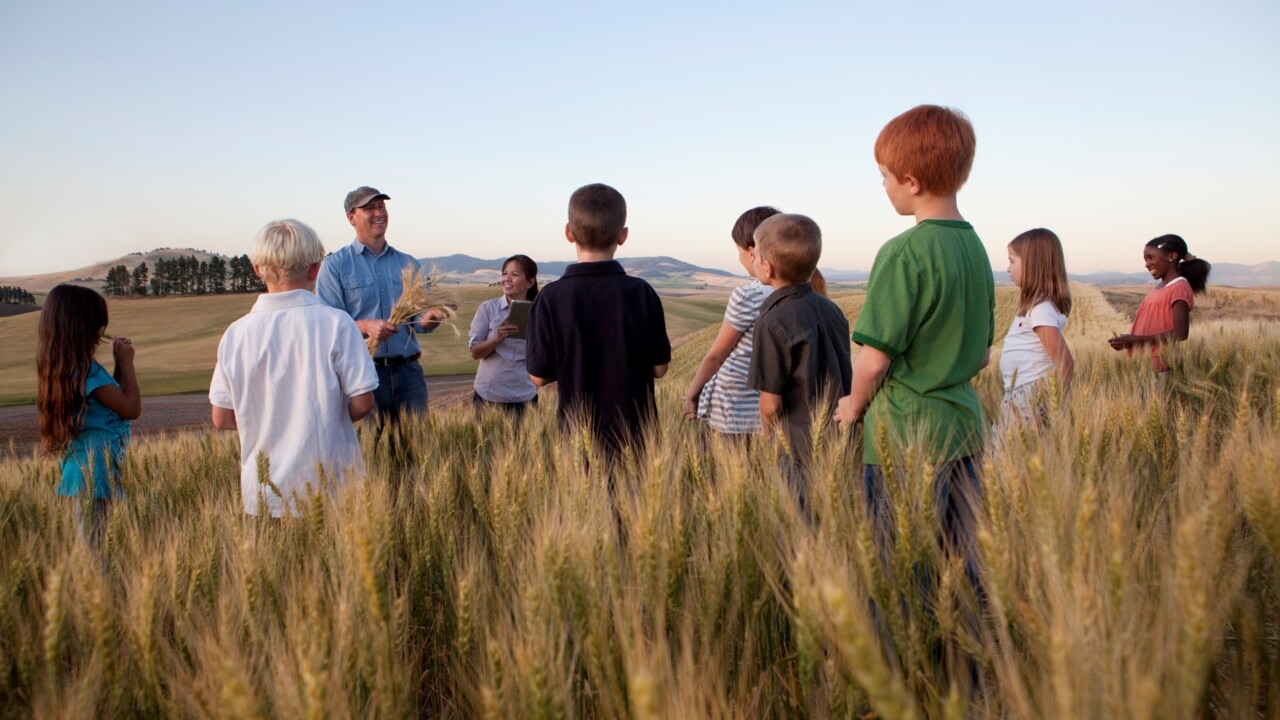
1155	314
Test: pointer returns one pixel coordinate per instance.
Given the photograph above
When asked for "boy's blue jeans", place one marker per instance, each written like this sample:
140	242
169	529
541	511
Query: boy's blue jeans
957	498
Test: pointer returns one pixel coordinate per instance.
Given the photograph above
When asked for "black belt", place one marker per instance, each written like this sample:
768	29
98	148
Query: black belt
396	361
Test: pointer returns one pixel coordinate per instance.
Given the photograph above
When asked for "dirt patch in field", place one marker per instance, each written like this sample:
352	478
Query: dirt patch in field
11	309
1215	303
19	433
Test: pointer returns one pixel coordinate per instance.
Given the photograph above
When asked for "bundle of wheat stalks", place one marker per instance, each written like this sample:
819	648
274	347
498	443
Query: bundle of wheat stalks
422	293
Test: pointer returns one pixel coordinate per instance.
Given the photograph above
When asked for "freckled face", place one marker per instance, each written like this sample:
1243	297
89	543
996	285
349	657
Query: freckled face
1015	267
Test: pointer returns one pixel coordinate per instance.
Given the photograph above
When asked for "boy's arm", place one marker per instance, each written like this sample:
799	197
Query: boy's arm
770	410
869	370
224	418
540	344
359	406
660	370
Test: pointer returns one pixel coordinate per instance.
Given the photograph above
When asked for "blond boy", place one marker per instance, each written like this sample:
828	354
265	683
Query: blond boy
292	377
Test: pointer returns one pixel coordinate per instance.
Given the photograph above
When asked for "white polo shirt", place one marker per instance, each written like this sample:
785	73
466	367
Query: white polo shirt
288	370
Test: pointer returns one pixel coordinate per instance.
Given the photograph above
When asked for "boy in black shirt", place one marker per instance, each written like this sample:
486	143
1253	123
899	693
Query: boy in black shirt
598	332
800	360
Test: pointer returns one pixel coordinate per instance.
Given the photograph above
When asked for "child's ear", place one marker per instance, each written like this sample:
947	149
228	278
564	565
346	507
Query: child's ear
767	267
568	233
913	184
622	236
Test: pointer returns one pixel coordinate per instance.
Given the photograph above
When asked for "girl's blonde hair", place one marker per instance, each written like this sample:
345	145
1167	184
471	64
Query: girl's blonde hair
71	323
1044	271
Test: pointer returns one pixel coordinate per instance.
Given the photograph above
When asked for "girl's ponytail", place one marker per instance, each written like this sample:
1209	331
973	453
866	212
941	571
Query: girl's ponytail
1195	270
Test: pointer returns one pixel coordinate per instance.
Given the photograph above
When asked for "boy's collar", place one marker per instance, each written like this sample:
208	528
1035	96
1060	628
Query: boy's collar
594	267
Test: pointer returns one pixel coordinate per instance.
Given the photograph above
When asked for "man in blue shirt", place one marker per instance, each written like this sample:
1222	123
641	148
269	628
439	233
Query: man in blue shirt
364	280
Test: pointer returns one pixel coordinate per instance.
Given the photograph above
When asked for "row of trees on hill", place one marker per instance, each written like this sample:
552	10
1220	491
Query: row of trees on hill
185	275
16	296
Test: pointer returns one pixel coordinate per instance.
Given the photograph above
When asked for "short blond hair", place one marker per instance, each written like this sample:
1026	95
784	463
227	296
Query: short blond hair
792	244
285	249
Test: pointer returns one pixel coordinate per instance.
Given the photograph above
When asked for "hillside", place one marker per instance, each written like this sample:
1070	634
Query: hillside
1232	274
661	271
93	276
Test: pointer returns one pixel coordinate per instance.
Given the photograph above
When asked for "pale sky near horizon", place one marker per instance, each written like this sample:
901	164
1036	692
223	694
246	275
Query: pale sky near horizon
132	125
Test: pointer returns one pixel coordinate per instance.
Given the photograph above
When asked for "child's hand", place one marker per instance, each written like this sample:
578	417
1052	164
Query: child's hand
691	408
1120	342
122	350
845	414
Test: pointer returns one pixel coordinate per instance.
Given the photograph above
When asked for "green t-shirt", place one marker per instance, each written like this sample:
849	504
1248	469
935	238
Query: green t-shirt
931	308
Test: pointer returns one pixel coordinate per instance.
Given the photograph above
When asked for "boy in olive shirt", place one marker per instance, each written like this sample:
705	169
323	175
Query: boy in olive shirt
926	330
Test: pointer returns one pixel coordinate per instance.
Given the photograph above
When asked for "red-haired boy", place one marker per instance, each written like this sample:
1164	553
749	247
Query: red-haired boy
927	326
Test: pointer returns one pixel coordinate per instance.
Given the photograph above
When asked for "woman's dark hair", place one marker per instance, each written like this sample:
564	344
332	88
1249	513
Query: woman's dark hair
744	229
68	335
1195	270
529	268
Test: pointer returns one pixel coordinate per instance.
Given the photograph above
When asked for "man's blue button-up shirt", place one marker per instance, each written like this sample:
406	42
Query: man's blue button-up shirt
366	286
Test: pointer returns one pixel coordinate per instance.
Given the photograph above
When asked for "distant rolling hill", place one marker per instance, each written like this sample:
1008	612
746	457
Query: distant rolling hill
93	276
662	271
1231	274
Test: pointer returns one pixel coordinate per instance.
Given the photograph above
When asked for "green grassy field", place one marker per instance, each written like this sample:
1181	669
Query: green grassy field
177	338
1130	555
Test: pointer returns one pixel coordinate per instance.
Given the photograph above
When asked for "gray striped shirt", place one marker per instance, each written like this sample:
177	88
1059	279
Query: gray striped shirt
727	404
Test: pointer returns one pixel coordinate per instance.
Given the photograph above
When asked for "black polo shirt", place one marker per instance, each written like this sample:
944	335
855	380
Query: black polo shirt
599	333
801	350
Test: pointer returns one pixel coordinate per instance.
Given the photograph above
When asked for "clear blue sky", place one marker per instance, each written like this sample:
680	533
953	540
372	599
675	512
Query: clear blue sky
131	125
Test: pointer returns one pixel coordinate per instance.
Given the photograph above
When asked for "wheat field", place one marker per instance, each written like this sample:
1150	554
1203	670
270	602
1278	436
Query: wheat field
1129	557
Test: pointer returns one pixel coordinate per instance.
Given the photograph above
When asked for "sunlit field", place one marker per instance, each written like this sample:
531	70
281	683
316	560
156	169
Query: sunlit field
1129	557
177	338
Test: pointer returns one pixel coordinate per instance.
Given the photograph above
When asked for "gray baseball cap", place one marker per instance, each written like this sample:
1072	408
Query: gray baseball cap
361	196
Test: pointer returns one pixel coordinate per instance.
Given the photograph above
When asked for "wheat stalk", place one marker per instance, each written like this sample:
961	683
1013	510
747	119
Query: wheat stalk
422	293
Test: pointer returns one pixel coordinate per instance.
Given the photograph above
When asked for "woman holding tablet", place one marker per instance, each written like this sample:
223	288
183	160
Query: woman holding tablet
497	340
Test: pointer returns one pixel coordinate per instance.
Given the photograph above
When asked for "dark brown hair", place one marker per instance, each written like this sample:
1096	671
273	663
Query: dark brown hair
933	144
70	328
597	216
1044	271
744	230
530	270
